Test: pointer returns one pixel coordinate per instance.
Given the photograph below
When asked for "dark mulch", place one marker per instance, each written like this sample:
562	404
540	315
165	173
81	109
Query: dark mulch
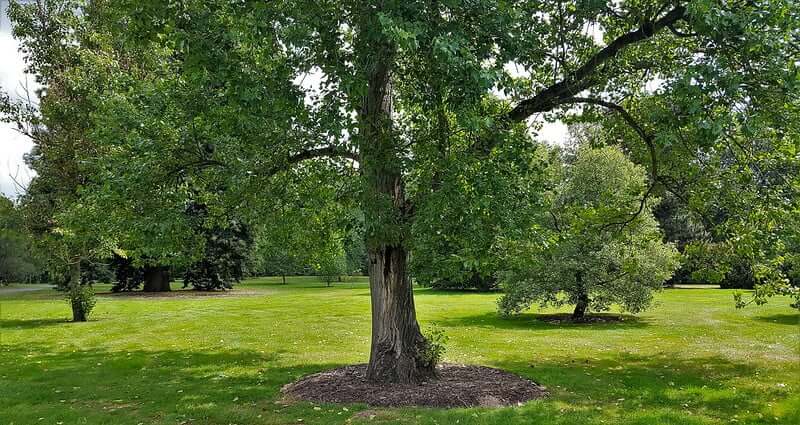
558	319
456	386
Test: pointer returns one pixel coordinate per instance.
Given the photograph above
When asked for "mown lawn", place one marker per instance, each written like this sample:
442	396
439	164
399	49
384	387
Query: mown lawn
692	359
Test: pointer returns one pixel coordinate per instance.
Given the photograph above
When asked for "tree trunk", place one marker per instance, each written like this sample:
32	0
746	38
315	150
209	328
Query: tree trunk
580	308
156	279
397	343
582	303
78	312
283	276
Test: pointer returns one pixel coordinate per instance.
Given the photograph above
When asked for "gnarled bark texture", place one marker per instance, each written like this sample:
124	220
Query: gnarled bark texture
156	279
397	343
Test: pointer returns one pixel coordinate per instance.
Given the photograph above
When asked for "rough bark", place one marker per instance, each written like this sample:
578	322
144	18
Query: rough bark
156	279
78	312
580	308
397	343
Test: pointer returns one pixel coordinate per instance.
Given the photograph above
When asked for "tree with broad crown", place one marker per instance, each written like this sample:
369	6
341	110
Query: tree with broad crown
594	255
226	102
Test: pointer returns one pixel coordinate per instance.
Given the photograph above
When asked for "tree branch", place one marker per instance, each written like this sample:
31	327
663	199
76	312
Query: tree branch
323	152
646	138
327	151
628	118
581	79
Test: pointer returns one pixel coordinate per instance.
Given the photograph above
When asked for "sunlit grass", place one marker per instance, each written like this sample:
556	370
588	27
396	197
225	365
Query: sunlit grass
692	359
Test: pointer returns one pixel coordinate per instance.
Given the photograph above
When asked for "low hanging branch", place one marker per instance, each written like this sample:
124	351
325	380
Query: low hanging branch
327	151
305	155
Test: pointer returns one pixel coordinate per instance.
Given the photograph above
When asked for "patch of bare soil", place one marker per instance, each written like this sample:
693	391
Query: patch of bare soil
456	386
559	319
181	293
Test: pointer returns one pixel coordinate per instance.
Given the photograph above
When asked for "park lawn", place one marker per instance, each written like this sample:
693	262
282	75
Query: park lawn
692	359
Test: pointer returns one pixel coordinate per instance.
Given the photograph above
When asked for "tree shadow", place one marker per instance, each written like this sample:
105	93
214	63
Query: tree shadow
243	386
160	386
541	321
422	290
637	389
31	323
783	319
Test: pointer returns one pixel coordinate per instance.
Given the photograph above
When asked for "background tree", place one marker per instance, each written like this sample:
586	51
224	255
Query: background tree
51	35
604	245
18	259
224	254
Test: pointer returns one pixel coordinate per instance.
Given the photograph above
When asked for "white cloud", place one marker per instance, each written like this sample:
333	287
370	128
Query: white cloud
12	144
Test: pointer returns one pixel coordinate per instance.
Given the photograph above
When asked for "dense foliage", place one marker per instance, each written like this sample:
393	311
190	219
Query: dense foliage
18	259
224	254
599	245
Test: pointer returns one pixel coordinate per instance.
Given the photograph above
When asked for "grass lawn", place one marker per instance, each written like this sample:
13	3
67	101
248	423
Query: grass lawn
692	359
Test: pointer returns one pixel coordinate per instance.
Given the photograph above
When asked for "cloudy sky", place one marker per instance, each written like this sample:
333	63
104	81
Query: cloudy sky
12	78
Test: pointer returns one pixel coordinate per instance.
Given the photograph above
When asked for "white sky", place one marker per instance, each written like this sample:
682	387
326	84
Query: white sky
12	78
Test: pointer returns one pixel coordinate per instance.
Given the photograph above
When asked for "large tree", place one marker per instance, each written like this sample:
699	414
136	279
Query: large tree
239	93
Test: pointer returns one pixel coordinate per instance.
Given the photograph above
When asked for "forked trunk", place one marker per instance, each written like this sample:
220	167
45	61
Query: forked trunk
78	312
156	279
396	353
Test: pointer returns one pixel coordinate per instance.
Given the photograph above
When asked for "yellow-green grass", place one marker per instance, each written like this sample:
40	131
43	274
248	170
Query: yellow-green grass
692	359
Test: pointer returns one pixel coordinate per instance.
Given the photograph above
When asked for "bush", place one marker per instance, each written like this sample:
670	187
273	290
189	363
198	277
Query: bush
82	300
435	346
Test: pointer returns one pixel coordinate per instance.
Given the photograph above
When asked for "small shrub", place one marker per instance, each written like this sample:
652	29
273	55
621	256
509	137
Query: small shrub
435	346
82	299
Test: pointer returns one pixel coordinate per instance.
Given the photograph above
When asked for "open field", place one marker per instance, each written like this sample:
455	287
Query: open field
692	359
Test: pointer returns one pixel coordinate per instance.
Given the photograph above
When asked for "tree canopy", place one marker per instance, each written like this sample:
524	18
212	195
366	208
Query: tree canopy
598	244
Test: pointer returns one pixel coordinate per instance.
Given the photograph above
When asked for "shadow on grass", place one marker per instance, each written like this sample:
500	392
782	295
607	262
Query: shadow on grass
651	389
422	290
783	319
160	386
31	323
235	386
597	321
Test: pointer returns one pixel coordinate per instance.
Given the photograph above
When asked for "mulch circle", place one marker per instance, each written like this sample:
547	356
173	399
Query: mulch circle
455	386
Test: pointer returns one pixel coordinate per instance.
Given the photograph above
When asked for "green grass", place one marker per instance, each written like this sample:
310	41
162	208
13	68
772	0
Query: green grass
692	359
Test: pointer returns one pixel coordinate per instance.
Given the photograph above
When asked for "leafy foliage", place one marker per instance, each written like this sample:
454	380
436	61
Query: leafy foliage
128	277
18	259
604	245
224	254
82	300
435	346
